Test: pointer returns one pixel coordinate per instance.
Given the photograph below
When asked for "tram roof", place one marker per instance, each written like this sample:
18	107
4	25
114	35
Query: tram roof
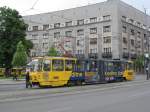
129	61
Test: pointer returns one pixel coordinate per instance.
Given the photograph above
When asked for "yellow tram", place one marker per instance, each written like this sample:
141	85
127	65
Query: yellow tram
51	71
60	71
128	73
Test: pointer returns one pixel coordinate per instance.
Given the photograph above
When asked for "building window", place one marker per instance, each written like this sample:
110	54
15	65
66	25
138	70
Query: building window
93	40
107	39
132	42
124	40
138	24
132	32
93	20
35	28
69	23
45	35
106	18
79	51
144	26
145	37
34	37
56	25
93	30
131	20
138	44
35	45
80	32
68	33
45	45
46	27
124	29
139	34
106	29
93	50
80	22
107	50
78	42
124	18
56	34
125	49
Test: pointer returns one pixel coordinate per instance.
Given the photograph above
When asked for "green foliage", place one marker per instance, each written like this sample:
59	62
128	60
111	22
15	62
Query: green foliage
28	45
20	56
52	52
12	30
139	63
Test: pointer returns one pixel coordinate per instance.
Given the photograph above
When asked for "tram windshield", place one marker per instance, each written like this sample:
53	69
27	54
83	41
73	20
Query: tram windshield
130	66
35	65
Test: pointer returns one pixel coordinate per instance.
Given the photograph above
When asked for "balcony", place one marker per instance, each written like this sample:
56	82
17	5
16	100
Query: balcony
93	55
107	55
125	55
80	56
133	56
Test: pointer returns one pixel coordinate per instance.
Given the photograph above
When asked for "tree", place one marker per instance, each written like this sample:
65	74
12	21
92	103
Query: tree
139	62
28	45
20	56
12	30
52	52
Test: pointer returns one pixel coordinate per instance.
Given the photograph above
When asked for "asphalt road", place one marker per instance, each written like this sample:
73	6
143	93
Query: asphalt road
13	87
131	98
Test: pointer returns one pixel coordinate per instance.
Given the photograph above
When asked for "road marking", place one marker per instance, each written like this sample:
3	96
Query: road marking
61	109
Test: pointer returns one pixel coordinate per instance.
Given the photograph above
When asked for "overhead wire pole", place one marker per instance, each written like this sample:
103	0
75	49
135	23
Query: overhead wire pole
34	4
147	54
32	7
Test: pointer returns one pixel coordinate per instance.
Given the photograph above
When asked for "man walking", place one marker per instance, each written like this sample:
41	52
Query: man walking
148	71
28	80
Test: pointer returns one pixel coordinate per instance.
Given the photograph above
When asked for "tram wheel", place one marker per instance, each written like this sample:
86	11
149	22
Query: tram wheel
79	83
70	83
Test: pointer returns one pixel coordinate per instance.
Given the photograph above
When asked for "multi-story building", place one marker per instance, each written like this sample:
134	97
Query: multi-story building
111	29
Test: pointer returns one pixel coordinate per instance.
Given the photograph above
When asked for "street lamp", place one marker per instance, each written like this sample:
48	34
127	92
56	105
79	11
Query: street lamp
146	55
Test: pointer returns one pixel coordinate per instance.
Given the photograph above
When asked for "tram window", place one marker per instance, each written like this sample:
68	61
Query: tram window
117	66
40	65
58	65
110	67
92	66
69	65
35	65
47	65
130	66
123	66
78	66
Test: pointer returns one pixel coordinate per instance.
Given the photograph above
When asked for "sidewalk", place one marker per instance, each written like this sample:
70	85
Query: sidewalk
140	77
11	82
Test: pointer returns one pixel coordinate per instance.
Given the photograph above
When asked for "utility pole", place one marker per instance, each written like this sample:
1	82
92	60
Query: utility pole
147	56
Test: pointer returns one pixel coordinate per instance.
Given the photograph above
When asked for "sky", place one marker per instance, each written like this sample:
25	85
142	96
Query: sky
29	7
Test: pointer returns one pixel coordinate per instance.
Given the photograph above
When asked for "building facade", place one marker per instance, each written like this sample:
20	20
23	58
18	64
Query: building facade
111	29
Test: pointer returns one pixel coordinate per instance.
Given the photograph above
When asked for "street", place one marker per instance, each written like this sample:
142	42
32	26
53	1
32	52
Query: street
120	97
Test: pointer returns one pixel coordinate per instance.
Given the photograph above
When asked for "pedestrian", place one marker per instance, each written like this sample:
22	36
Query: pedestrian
28	83
147	72
15	76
